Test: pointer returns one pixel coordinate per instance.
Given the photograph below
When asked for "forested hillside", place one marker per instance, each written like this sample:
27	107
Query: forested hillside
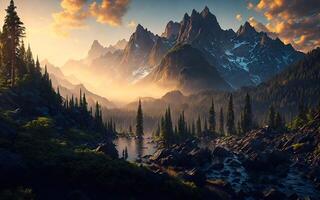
56	148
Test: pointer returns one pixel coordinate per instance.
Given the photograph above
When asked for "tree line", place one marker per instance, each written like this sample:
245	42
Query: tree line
214	126
19	71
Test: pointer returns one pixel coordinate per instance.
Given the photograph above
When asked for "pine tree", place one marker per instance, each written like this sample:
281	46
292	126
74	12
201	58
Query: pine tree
139	121
38	67
97	117
182	126
166	131
246	122
271	118
22	66
221	122
30	61
199	127
239	130
59	97
157	132
193	128
13	31
163	129
205	126
212	118
169	126
230	118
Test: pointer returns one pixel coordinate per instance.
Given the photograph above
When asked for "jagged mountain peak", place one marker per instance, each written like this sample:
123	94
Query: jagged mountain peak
139	27
142	32
172	30
186	17
121	44
96	45
205	11
246	30
194	13
206	14
199	26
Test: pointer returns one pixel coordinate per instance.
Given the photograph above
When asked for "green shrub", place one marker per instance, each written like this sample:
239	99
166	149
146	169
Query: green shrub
40	124
297	146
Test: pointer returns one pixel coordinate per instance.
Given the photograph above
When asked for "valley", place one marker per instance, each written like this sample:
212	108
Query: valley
191	110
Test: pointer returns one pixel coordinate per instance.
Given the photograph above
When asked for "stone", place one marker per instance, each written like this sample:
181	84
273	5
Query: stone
221	152
108	149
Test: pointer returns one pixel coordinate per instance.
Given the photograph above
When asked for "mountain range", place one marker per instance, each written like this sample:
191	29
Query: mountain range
70	86
228	60
297	84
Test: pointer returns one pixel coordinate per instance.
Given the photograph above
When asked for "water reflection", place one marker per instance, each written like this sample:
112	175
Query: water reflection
139	147
136	148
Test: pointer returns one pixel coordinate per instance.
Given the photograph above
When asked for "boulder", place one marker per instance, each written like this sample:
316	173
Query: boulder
267	161
221	152
108	149
195	175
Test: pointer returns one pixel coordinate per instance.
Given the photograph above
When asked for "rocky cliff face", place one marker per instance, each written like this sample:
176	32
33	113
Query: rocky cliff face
242	58
172	30
188	73
137	49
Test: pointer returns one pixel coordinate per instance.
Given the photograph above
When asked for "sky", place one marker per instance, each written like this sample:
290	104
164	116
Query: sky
59	30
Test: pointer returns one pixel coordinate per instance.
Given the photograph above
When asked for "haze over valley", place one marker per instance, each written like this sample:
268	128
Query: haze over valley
146	99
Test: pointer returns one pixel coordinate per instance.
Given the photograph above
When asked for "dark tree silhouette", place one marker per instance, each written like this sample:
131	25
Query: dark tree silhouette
12	32
230	118
139	121
212	118
221	122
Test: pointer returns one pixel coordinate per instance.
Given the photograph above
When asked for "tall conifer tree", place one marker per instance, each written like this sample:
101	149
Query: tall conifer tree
221	122
13	31
230	118
139	121
246	121
212	118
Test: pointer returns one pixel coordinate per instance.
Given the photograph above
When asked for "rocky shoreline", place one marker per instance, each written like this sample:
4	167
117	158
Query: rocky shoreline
262	165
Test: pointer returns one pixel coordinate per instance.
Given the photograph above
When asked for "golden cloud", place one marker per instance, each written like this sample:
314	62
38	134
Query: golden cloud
250	6
75	12
132	24
261	27
72	16
239	17
109	11
295	22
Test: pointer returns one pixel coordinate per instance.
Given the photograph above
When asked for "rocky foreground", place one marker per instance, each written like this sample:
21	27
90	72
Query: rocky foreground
264	164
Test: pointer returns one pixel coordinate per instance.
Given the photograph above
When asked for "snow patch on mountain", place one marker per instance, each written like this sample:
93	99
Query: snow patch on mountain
140	73
237	45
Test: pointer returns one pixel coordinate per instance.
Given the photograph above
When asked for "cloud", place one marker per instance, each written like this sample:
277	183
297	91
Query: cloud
250	6
294	21
72	16
75	12
109	11
239	17
261	27
132	24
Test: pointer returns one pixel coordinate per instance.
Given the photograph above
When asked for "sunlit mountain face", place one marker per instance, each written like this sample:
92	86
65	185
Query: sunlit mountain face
148	99
108	45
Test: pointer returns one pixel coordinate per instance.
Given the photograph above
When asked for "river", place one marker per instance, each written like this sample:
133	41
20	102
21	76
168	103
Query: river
137	148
